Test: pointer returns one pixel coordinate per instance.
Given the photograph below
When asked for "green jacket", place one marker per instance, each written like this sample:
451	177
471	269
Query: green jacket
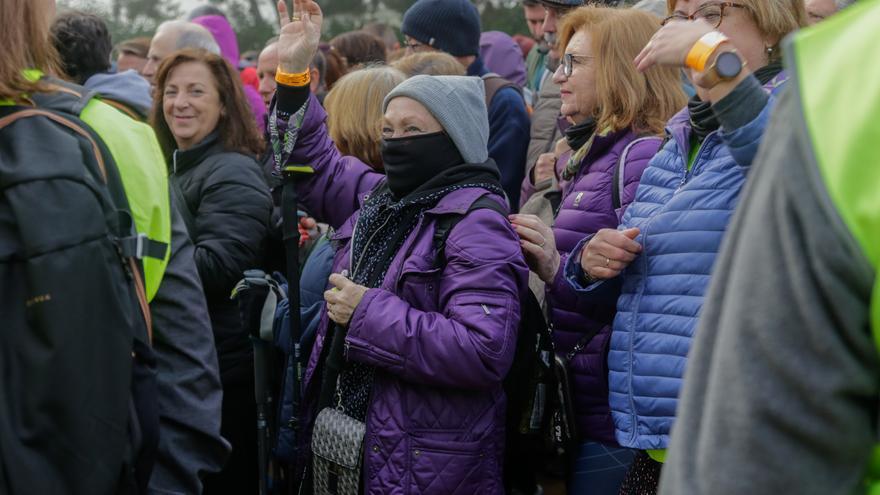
782	387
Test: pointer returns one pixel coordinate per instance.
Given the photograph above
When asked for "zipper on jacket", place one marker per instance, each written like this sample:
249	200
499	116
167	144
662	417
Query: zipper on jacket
174	161
688	172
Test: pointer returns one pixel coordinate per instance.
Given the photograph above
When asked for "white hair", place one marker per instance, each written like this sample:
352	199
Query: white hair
190	35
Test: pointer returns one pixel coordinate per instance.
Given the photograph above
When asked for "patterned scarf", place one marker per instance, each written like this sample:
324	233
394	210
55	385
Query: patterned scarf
382	228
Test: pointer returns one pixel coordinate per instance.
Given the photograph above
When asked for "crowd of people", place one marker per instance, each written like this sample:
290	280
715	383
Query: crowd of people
683	192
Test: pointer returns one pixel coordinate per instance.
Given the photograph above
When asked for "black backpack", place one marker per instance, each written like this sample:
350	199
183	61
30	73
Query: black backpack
530	385
78	410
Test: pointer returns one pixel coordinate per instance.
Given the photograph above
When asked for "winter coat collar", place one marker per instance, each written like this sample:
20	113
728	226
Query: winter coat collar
183	160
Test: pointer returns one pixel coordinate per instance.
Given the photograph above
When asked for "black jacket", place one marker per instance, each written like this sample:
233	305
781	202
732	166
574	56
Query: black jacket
230	205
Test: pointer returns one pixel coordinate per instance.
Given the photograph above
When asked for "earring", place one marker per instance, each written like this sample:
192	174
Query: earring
769	51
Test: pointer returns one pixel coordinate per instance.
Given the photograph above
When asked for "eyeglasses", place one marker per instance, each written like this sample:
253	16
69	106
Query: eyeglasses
713	13
414	46
569	60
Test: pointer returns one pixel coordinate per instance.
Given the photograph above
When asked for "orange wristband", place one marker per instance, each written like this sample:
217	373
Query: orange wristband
703	49
287	79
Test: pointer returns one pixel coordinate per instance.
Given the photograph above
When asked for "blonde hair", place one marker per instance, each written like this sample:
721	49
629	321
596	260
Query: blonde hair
774	18
354	109
626	98
429	64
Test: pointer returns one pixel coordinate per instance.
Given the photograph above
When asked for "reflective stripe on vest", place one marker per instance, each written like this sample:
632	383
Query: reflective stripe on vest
144	176
834	63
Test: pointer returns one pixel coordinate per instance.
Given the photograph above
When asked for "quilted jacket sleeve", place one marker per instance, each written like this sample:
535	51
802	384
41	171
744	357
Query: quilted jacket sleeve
470	345
332	194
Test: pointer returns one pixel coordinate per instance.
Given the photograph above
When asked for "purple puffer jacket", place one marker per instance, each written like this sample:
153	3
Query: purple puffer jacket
441	339
585	209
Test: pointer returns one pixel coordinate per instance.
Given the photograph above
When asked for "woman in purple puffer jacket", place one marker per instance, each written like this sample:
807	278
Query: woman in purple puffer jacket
416	338
619	115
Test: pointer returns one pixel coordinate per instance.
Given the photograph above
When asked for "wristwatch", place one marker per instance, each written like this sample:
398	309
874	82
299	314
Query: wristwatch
727	66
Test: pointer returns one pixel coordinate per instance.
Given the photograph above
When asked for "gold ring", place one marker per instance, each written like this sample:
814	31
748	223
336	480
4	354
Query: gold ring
295	17
607	262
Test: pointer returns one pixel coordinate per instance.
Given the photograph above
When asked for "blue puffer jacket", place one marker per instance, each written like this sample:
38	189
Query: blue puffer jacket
682	216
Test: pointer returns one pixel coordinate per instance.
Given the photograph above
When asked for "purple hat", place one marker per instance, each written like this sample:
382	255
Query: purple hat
503	56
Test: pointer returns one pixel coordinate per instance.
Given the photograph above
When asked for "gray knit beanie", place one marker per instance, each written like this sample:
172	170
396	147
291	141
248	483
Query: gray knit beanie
459	104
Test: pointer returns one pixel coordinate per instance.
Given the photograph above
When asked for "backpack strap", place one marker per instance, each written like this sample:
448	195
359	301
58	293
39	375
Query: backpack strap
445	223
494	83
619	179
66	98
67	102
122	107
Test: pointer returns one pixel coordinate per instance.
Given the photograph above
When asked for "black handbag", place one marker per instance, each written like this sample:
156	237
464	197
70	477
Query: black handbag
562	436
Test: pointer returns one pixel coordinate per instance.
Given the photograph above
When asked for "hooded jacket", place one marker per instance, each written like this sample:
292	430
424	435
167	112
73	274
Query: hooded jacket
503	56
440	337
128	88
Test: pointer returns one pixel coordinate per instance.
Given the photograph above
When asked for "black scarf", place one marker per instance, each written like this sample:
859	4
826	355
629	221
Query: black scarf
703	120
578	134
383	226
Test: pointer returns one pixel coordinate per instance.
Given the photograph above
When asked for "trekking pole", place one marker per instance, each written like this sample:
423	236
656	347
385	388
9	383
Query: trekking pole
291	238
258	296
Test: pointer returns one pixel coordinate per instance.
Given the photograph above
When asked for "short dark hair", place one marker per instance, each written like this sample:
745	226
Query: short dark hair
83	43
136	46
320	63
359	48
382	31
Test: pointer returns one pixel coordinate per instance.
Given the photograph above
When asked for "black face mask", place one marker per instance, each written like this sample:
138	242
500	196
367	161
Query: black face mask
412	161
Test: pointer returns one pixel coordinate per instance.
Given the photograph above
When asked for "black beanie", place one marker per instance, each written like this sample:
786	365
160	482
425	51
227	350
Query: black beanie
452	26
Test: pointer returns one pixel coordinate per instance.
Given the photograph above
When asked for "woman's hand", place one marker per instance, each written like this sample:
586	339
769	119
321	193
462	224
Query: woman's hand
300	35
671	44
343	298
545	168
609	252
538	245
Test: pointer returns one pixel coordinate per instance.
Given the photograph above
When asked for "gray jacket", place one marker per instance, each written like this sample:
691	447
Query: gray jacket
188	378
545	116
781	390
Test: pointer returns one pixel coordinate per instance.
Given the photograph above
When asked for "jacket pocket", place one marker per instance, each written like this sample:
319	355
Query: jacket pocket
419	282
490	314
447	467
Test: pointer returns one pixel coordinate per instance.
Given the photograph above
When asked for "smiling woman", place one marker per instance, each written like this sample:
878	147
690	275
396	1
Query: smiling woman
210	140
